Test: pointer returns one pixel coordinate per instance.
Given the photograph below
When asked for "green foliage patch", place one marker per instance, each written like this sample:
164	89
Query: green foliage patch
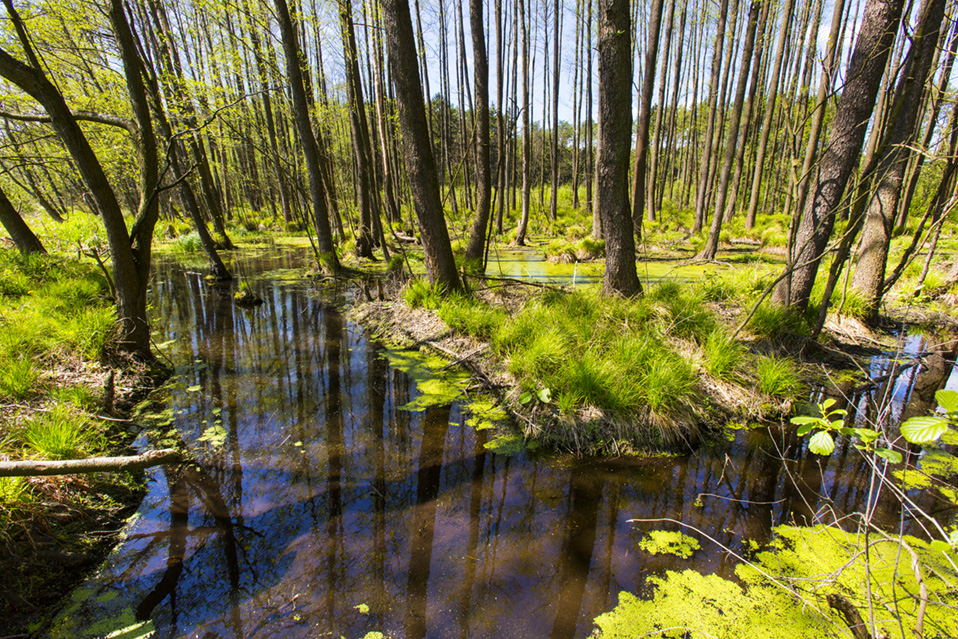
784	591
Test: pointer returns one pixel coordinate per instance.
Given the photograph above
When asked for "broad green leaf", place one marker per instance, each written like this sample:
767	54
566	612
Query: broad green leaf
923	430
828	403
940	546
888	454
821	443
544	395
525	398
867	435
805	429
194	389
804	419
947	399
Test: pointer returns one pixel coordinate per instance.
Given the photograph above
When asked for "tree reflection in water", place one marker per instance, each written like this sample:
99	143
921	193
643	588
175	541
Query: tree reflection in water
322	508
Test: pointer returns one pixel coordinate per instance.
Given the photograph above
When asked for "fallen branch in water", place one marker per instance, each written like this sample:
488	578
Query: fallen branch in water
36	467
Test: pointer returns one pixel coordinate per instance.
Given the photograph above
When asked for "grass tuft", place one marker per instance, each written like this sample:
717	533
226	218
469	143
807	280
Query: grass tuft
61	433
778	376
17	378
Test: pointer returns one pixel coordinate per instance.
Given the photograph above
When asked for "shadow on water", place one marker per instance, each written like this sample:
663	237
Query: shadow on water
319	508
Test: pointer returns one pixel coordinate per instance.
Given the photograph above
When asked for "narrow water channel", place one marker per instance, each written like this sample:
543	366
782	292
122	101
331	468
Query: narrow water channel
322	508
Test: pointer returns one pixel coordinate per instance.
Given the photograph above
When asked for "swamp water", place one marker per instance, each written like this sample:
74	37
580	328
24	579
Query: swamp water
326	504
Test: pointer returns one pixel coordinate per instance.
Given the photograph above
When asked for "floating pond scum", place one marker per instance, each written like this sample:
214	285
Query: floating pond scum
344	489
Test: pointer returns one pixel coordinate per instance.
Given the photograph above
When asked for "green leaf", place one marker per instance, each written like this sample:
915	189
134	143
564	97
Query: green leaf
525	398
805	429
544	395
805	419
867	435
821	443
888	454
940	546
947	399
828	403
194	389
923	430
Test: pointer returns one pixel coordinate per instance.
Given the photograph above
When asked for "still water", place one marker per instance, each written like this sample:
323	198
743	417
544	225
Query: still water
321	508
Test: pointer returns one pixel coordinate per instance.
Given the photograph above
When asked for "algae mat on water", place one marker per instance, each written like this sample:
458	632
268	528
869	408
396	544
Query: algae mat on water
783	592
437	383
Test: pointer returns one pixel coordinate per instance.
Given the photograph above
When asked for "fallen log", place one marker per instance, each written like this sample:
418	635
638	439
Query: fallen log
35	467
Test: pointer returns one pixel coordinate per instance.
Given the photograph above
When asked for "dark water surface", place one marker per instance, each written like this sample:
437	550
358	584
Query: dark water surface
322	509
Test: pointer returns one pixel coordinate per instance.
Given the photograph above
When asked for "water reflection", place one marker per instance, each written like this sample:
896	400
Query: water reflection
317	508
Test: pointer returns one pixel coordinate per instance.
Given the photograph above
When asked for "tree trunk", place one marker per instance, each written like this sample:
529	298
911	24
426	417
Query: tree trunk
420	164
769	113
855	107
704	165
324	237
718	215
477	237
645	117
25	239
880	215
612	162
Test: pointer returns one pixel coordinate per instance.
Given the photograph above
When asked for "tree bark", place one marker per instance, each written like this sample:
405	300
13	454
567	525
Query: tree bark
36	468
324	236
477	237
869	275
25	239
855	107
718	215
645	118
612	162
417	150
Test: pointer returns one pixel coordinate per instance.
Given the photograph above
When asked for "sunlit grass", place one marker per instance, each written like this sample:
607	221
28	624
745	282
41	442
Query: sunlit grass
61	432
778	376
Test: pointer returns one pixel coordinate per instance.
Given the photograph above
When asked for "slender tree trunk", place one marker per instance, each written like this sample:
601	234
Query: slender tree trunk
25	239
477	237
711	244
645	117
526	130
879	220
704	165
324	237
770	99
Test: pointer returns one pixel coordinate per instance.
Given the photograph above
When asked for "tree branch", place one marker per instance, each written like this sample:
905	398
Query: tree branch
33	468
85	116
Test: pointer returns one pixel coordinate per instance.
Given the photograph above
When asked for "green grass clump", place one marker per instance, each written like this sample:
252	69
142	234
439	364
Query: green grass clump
17	378
420	293
61	433
773	321
722	355
468	316
592	350
777	376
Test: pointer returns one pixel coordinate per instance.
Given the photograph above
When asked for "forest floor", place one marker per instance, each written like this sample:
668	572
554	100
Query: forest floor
64	394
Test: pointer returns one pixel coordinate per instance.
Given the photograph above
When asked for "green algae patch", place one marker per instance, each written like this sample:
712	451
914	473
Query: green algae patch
669	542
708	606
507	445
486	414
437	384
785	591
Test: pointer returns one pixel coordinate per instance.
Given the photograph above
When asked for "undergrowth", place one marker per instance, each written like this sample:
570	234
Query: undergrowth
644	359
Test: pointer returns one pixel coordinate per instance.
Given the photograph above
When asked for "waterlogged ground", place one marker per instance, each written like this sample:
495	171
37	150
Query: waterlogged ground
344	489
